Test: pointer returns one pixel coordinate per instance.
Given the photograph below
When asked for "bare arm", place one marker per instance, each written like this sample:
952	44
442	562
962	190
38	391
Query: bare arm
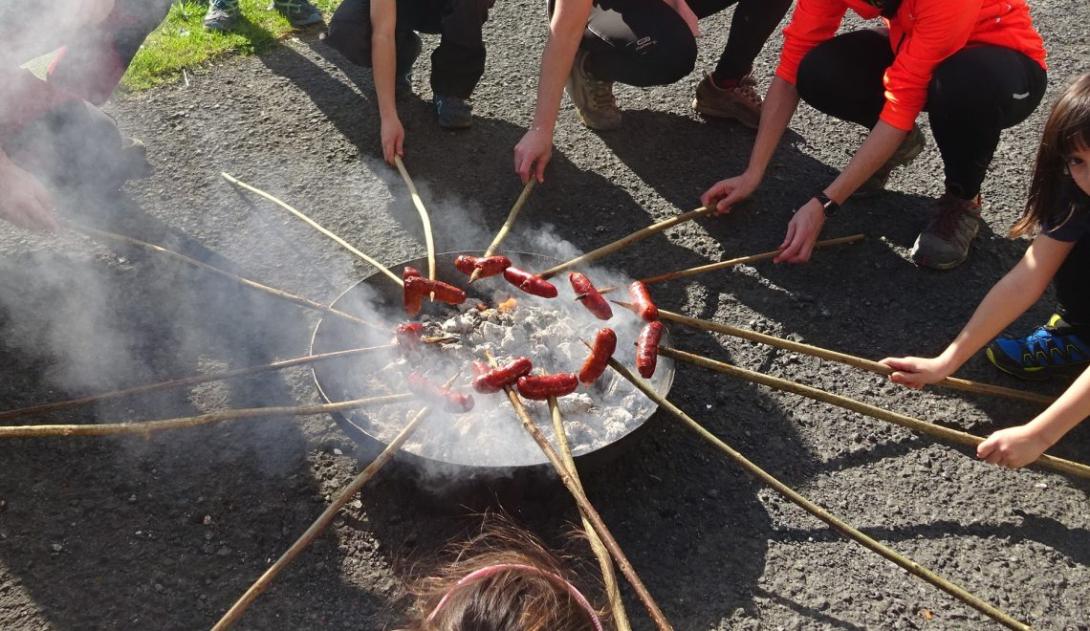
24	201
384	64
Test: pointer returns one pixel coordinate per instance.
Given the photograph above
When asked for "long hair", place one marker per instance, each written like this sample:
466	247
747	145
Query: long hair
1053	195
510	600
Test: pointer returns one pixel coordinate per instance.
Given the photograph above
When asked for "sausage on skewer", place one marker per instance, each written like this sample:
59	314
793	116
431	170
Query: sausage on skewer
497	379
604	345
541	387
647	349
589	296
641	301
425	388
530	283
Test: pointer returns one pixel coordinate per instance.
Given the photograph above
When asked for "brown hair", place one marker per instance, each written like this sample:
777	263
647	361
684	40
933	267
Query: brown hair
1053	195
510	600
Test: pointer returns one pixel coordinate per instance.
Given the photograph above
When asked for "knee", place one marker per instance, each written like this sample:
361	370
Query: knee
955	90
669	59
351	39
818	70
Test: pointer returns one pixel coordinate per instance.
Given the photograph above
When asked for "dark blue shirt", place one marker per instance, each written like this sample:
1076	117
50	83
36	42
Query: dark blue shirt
1074	223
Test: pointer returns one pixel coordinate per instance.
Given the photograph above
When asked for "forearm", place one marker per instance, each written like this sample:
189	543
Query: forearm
384	64
565	33
1066	412
880	144
779	106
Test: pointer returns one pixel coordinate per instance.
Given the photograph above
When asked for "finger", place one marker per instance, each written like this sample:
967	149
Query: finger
984	449
906	380
786	247
542	162
722	207
995	457
807	251
401	145
522	167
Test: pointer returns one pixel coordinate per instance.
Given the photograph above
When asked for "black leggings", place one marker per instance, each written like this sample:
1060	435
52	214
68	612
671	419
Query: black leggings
645	42
1070	284
973	95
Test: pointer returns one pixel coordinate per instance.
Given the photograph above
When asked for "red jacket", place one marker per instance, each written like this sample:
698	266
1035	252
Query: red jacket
922	34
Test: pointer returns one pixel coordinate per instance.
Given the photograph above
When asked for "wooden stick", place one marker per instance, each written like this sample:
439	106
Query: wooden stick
924	427
624	242
191	380
146	427
506	227
609	577
319	525
314	224
587	509
245	282
835	522
424	218
954	383
742	260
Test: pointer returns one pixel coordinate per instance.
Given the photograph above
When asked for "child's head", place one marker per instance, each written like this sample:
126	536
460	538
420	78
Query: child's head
503	580
1062	175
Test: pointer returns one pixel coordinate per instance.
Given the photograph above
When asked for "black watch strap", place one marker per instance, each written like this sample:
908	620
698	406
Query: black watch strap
827	204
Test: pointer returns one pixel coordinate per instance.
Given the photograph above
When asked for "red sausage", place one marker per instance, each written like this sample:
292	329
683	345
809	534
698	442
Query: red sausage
409	272
452	401
499	378
492	265
409	334
530	283
541	387
465	263
604	345
446	293
415	288
591	299
641	301
647	349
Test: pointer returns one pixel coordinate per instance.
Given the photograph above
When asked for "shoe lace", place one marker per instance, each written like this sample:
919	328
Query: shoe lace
949	220
747	89
601	94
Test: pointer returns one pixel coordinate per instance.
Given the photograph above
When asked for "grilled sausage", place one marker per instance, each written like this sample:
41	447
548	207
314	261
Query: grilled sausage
604	345
415	289
589	296
530	283
409	335
641	301
444	292
541	387
425	388
647	348
465	264
499	378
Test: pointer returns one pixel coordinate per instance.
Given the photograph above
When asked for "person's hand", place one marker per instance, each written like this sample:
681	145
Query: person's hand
393	139
1013	447
24	201
802	233
916	372
724	194
532	154
686	12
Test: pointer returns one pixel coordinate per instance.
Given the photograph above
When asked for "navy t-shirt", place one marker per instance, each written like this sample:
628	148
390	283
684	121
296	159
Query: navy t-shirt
1074	224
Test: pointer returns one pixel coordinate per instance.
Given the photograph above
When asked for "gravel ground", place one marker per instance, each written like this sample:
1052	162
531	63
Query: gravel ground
165	532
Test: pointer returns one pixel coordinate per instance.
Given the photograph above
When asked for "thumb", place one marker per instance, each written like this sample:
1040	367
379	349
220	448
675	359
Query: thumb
898	363
984	449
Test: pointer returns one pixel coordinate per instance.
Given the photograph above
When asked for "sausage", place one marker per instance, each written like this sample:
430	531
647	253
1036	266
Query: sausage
541	387
647	348
529	283
641	301
415	288
499	378
589	296
492	265
444	292
409	334
425	388
604	345
465	263
409	272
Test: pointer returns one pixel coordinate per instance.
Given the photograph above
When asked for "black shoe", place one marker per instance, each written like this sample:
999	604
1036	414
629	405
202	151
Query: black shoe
453	112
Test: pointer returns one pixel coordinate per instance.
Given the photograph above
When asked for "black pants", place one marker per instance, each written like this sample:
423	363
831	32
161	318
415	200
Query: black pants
456	65
645	42
1071	286
973	95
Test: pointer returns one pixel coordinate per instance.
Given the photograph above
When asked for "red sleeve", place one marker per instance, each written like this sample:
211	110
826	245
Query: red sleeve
941	28
813	22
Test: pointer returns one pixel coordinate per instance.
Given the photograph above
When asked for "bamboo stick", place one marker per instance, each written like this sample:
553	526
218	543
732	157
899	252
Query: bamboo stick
954	383
506	227
424	218
320	524
742	260
587	509
940	432
245	282
314	224
609	577
624	242
835	522
147	427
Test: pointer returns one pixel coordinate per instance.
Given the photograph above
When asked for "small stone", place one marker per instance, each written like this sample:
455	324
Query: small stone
132	498
56	547
712	493
224	551
159	587
356	504
1040	485
337	452
207	520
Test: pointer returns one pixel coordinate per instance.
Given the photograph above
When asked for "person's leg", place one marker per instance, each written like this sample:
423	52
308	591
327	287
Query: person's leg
1071	287
350	34
843	76
637	43
458	63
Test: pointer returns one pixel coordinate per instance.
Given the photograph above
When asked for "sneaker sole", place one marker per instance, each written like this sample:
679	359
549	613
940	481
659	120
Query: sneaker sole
735	113
1033	374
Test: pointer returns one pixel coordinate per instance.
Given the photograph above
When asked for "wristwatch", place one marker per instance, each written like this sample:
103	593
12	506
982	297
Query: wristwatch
829	206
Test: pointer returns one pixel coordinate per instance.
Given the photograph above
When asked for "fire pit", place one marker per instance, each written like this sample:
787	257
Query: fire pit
488	441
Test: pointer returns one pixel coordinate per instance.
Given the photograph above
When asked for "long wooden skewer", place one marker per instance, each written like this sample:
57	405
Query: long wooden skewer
609	577
424	218
587	509
835	522
506	227
955	383
319	525
940	432
146	427
624	242
314	224
245	282
742	260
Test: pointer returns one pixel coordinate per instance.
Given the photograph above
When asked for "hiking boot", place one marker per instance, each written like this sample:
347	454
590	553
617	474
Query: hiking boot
593	98
911	147
222	15
301	13
407	53
944	243
453	112
737	99
1053	347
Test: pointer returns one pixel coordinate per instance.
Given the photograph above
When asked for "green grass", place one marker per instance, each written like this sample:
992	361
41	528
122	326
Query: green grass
181	41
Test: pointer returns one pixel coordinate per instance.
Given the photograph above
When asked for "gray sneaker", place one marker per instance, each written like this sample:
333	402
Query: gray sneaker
944	243
300	13
911	147
593	99
222	15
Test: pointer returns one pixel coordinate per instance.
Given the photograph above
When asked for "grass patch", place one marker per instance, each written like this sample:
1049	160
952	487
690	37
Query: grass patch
181	41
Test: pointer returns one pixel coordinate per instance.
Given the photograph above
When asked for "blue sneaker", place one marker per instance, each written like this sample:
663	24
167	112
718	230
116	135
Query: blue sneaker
1050	348
453	112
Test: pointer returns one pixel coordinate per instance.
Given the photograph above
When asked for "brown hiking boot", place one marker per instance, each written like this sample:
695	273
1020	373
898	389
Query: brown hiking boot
944	243
739	101
911	147
593	98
